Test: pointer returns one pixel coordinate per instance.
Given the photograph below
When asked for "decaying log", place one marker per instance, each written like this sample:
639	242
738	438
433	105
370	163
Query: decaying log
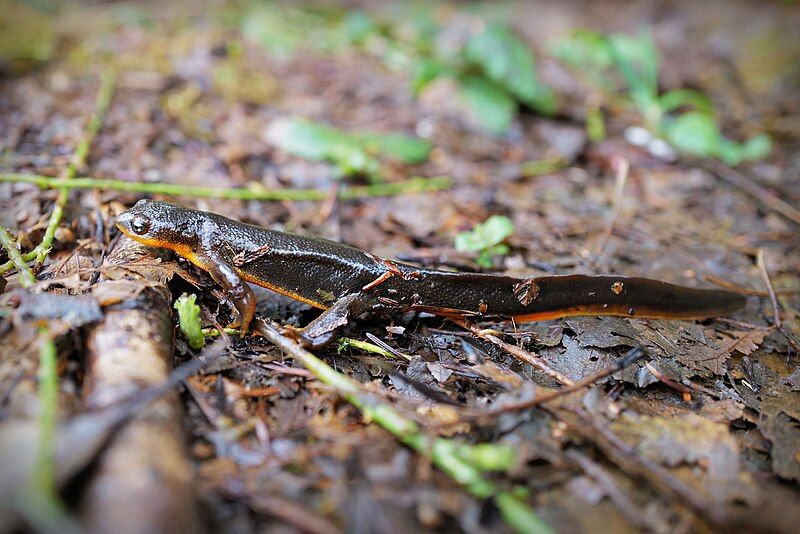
144	481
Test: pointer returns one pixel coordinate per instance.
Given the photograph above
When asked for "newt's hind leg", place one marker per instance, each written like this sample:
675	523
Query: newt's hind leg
321	330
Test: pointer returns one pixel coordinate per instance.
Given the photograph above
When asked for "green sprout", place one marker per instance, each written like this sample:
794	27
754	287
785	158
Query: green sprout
486	239
495	73
189	320
685	118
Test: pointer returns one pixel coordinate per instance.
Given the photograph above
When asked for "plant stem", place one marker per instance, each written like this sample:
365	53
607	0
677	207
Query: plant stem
26	278
39	500
104	95
347	342
412	185
448	455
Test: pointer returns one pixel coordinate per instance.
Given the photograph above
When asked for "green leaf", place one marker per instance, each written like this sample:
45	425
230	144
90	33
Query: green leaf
351	153
672	100
636	57
427	70
305	139
757	147
693	133
497	228
488	105
403	148
733	153
486	239
189	320
584	48
507	61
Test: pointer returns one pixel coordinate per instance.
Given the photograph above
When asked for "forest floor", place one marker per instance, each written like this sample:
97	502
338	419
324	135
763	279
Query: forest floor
702	432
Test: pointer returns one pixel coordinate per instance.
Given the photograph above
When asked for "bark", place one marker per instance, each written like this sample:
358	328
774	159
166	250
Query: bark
144	480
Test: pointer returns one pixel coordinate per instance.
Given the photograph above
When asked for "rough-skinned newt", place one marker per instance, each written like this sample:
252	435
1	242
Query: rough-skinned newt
346	281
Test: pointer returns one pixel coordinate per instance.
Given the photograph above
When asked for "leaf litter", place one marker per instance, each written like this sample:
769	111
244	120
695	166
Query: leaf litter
714	404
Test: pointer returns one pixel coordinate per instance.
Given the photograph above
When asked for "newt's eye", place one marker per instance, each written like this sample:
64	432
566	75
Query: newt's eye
140	224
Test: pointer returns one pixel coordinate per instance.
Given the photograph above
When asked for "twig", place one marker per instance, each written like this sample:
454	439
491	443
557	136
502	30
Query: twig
104	95
515	351
26	278
606	480
725	284
677	386
632	356
622	166
765	276
287	511
747	185
256	192
628	458
448	455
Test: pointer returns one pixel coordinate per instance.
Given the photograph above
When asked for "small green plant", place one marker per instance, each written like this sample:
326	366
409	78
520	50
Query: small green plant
683	117
486	239
493	69
495	73
352	153
189	320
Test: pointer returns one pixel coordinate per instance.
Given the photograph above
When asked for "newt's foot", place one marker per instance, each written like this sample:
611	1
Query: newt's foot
302	337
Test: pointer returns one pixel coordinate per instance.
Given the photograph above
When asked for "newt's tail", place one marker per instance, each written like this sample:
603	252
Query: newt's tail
551	297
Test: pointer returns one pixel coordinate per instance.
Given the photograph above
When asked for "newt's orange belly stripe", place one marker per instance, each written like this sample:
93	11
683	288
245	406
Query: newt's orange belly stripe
283	291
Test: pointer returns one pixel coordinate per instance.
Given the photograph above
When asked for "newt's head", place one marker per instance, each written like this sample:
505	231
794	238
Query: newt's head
161	224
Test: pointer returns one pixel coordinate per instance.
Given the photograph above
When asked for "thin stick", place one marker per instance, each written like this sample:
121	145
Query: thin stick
677	386
765	276
515	351
622	167
623	453
747	185
632	356
733	287
26	278
617	494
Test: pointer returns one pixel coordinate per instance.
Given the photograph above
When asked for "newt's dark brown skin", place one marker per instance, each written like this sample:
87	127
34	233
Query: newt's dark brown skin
346	281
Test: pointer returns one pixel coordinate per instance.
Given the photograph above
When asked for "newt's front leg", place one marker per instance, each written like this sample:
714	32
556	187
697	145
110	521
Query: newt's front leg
236	290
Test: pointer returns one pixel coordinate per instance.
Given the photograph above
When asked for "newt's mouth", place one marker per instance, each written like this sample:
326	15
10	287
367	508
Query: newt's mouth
124	223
